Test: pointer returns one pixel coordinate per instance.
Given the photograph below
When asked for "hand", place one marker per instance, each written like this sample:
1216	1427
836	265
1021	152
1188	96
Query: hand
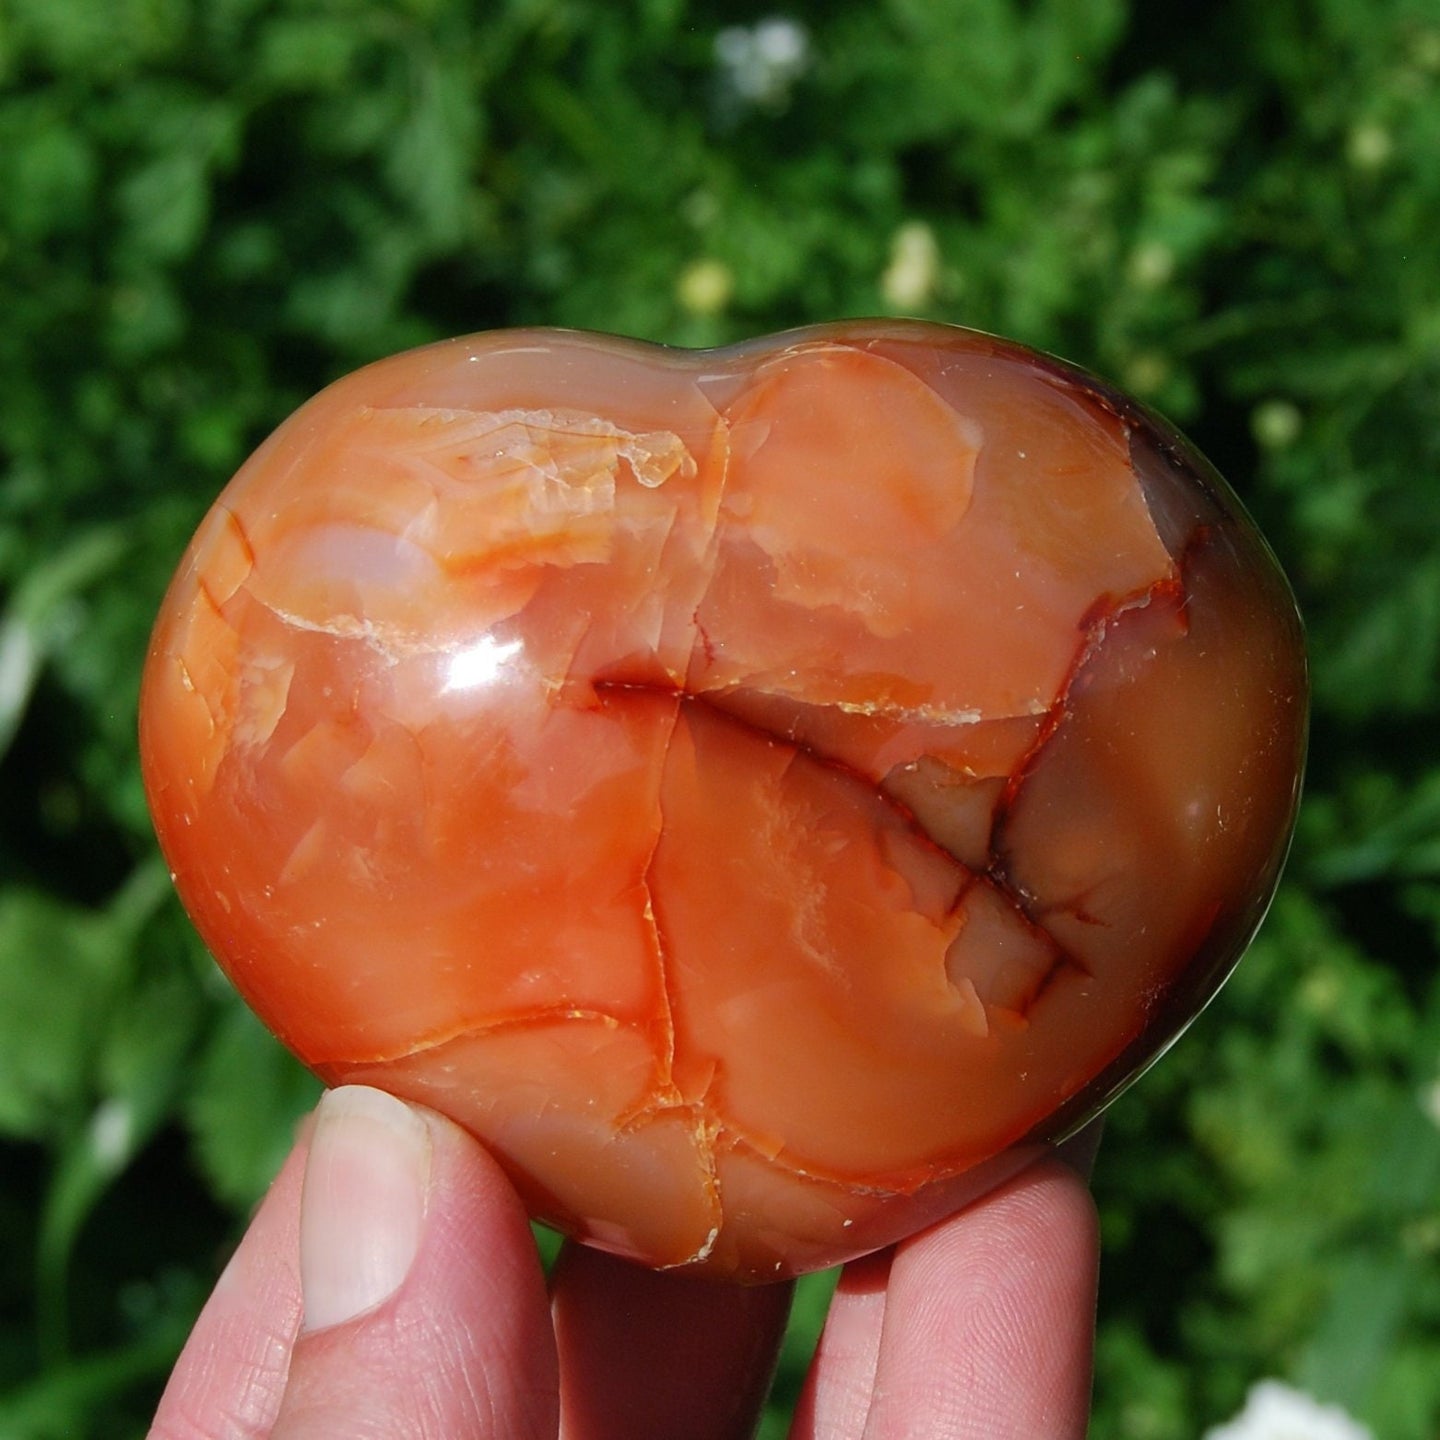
396	1295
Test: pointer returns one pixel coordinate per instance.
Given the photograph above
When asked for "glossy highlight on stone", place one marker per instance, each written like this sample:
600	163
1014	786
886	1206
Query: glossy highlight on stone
765	794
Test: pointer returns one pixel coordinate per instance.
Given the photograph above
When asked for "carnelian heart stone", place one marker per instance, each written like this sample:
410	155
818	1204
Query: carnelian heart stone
765	794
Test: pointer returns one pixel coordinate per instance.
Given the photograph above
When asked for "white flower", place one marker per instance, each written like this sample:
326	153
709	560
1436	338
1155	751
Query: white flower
1277	424
1430	1101
909	279
1277	1412
112	1133
1152	264
704	287
1370	145
759	63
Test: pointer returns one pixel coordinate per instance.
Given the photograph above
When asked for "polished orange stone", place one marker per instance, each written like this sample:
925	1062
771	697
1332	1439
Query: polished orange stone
765	794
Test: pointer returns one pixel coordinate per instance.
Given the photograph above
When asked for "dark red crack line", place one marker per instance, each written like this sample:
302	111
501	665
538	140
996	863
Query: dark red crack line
656	929
1093	626
1021	904
521	1020
241	533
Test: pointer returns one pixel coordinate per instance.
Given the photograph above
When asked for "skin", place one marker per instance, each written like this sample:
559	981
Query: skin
980	1326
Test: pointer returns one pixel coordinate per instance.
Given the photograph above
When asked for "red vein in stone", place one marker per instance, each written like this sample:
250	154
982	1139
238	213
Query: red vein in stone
653	924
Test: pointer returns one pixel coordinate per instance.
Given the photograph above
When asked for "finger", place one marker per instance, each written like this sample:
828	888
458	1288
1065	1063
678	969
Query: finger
425	1314
836	1397
990	1318
985	1328
231	1374
649	1356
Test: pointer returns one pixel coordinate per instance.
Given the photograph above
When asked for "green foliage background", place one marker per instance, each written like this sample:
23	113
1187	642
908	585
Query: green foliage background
209	208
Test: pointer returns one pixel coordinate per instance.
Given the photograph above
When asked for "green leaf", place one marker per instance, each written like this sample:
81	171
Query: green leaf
164	206
61	1403
57	966
807	1319
433	152
1387	658
63	970
304	52
41	616
1357	1329
49	173
248	1097
140	1028
1380	829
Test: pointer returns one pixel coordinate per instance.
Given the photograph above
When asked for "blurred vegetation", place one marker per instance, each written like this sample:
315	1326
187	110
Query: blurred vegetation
209	208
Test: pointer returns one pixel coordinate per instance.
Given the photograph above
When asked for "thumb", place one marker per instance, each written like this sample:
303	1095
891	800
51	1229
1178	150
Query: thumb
425	1312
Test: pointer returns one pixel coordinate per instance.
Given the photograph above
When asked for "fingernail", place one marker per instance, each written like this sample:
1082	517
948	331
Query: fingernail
362	1209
